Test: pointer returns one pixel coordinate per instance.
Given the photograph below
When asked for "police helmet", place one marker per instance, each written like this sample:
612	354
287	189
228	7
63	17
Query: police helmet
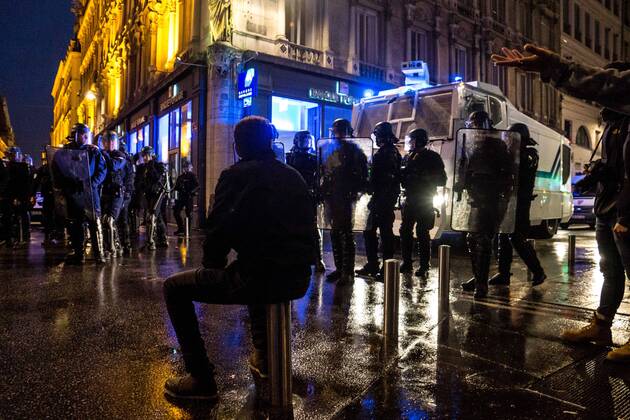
186	165
302	140
522	129
28	159
343	127
111	137
147	150
479	119
418	138
384	131
274	132
80	129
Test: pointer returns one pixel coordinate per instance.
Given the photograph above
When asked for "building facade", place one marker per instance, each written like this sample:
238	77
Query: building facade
170	73
594	32
7	137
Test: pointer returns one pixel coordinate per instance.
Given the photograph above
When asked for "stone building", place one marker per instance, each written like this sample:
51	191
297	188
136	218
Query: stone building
7	137
178	74
594	32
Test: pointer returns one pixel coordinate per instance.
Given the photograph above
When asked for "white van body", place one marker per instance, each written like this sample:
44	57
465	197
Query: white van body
442	110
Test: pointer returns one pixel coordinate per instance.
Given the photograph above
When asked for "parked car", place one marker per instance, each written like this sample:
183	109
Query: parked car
583	208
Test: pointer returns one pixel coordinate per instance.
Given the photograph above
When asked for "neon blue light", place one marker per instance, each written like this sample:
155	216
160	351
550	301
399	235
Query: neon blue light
368	93
457	78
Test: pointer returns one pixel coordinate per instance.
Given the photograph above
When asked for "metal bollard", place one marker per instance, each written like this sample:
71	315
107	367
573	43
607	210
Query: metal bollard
444	278
20	229
279	356
571	250
187	228
392	299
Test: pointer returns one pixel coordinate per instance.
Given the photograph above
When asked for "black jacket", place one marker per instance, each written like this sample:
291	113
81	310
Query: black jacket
422	172
186	186
114	184
263	210
384	181
306	164
344	170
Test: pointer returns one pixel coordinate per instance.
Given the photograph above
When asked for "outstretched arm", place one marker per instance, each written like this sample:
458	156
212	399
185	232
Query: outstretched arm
604	86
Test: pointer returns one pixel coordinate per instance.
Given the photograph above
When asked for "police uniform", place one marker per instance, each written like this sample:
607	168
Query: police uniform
186	187
154	187
124	218
489	176
518	240
422	172
345	176
18	195
113	195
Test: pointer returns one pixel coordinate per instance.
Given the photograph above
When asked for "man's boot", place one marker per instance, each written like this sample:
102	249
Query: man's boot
502	278
480	250
97	242
371	269
348	247
337	245
621	354
189	387
597	331
109	235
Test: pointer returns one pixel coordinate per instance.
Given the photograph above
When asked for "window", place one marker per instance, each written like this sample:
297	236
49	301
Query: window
139	138
300	21
566	18
607	43
577	23
367	36
568	129
498	10
598	40
496	111
582	138
292	115
461	62
588	36
525	82
616	7
499	78
175	136
417	45
525	20
615	47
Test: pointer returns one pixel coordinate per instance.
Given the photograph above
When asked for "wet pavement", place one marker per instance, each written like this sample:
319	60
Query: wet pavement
95	342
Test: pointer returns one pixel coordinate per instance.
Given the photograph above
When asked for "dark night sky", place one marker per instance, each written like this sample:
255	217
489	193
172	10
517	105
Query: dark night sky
34	35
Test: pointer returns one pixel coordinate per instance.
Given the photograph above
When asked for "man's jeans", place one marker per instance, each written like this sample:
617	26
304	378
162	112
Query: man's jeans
614	251
226	287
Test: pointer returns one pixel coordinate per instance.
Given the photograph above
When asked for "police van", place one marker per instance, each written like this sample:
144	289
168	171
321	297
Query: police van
442	111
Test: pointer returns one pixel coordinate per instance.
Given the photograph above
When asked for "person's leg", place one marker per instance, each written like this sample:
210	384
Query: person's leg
177	212
386	228
161	230
527	253
406	239
258	323
424	248
504	258
371	246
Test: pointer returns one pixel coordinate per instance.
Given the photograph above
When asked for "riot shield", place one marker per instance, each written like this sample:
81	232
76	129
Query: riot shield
278	150
486	181
341	175
70	172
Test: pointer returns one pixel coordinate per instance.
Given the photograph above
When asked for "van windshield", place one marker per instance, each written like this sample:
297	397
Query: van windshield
432	112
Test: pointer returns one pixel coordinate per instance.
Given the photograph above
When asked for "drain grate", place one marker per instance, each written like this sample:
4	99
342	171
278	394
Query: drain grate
603	388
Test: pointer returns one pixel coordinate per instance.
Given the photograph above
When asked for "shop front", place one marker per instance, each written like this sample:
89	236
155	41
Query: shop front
295	100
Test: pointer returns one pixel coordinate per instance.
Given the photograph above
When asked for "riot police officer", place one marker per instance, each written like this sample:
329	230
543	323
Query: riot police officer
124	218
186	187
154	184
384	186
302	158
80	139
113	192
488	177
345	173
42	182
422	172
526	179
18	196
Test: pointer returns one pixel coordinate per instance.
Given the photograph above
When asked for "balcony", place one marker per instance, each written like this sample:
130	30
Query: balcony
299	53
371	71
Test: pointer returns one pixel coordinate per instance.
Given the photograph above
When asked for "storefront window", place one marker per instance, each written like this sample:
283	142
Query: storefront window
292	115
175	136
186	137
163	135
138	139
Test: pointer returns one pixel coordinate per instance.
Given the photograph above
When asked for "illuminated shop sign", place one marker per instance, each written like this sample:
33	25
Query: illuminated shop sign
327	96
247	84
172	100
138	122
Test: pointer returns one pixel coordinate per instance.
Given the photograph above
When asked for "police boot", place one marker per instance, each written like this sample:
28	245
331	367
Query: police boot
96	232
406	249
528	254
337	245
482	266
110	240
151	226
371	269
502	278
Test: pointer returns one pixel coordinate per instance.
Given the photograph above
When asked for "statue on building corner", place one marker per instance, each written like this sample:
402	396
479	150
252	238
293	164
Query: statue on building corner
220	20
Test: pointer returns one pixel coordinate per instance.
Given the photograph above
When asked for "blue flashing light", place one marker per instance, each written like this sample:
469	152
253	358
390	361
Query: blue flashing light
368	93
458	79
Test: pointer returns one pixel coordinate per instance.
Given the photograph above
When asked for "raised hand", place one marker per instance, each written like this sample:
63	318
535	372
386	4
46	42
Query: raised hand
537	61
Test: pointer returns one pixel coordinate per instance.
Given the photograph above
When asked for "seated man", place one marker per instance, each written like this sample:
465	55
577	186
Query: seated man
263	211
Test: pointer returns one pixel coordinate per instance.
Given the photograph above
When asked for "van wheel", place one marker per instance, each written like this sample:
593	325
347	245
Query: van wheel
546	230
